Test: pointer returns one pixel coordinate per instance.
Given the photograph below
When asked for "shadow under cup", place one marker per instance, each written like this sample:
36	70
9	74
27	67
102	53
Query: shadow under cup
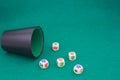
27	41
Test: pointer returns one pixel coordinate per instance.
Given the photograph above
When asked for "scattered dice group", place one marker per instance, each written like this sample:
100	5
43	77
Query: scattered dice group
77	69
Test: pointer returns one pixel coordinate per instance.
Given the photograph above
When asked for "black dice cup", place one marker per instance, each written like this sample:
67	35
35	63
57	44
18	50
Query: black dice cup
27	41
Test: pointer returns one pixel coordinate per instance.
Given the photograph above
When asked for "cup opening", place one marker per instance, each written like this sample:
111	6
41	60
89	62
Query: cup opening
37	42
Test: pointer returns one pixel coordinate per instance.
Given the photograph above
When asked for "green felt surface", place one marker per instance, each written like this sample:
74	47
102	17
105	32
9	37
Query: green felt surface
89	27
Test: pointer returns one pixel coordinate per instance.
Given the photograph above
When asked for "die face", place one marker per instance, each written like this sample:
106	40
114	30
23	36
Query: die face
56	43
77	71
72	53
73	58
78	66
43	60
46	65
55	48
61	59
41	65
61	64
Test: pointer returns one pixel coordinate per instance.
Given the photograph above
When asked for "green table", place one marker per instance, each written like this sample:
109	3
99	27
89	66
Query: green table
91	28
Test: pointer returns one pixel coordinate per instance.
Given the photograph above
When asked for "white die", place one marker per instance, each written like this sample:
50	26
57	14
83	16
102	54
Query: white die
72	56
44	63
78	69
55	46
60	62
